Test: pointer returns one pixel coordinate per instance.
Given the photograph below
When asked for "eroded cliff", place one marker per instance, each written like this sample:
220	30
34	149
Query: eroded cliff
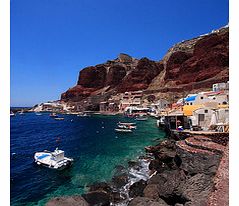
192	64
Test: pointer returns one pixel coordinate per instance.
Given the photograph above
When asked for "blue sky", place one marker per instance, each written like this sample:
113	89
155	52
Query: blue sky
51	40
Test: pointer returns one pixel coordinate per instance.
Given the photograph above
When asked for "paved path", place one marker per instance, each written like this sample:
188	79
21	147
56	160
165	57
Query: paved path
220	197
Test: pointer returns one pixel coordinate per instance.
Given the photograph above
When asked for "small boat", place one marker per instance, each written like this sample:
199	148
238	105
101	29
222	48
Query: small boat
38	114
53	160
121	126
141	118
59	118
123	130
83	115
21	113
54	115
12	114
127	123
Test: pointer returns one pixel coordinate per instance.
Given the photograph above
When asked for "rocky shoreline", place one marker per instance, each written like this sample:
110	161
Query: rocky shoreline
185	172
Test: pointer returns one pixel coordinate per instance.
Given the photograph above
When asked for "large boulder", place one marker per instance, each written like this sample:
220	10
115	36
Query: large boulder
100	186
164	184
144	201
137	188
67	201
196	190
97	198
120	180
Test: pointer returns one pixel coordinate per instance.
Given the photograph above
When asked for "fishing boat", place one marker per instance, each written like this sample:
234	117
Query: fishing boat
123	130
127	123
54	115
121	126
53	160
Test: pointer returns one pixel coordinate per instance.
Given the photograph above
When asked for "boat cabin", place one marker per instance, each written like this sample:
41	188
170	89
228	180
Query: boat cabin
58	155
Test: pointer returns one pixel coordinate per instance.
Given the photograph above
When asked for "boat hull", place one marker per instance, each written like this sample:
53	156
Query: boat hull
47	159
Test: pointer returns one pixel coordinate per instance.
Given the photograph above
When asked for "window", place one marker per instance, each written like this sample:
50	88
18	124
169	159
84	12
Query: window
201	117
206	111
224	103
191	103
201	97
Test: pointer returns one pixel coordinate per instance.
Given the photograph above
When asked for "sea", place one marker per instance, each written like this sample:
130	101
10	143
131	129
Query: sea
96	148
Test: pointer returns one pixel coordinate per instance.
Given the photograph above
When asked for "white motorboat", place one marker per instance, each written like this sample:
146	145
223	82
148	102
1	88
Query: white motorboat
83	115
53	160
123	130
127	123
38	114
12	114
122	126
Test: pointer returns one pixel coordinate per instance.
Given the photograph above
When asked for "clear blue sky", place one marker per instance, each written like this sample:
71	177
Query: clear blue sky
51	40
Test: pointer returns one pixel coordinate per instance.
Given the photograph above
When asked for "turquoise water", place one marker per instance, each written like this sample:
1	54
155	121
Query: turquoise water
91	141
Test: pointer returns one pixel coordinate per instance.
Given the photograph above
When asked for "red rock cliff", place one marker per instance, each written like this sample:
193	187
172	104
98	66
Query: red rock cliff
191	64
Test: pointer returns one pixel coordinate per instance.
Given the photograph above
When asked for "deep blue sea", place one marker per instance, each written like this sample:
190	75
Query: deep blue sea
91	141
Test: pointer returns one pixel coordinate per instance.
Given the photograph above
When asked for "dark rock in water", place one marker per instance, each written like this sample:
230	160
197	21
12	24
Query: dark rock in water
117	197
100	186
97	198
132	163
120	180
158	166
144	201
119	169
137	188
67	201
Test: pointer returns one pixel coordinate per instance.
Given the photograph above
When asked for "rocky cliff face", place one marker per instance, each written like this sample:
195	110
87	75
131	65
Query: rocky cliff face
191	64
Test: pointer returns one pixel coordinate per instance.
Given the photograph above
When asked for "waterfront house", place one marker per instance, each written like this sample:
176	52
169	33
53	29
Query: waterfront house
104	106
221	98
175	119
220	86
128	99
205	117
